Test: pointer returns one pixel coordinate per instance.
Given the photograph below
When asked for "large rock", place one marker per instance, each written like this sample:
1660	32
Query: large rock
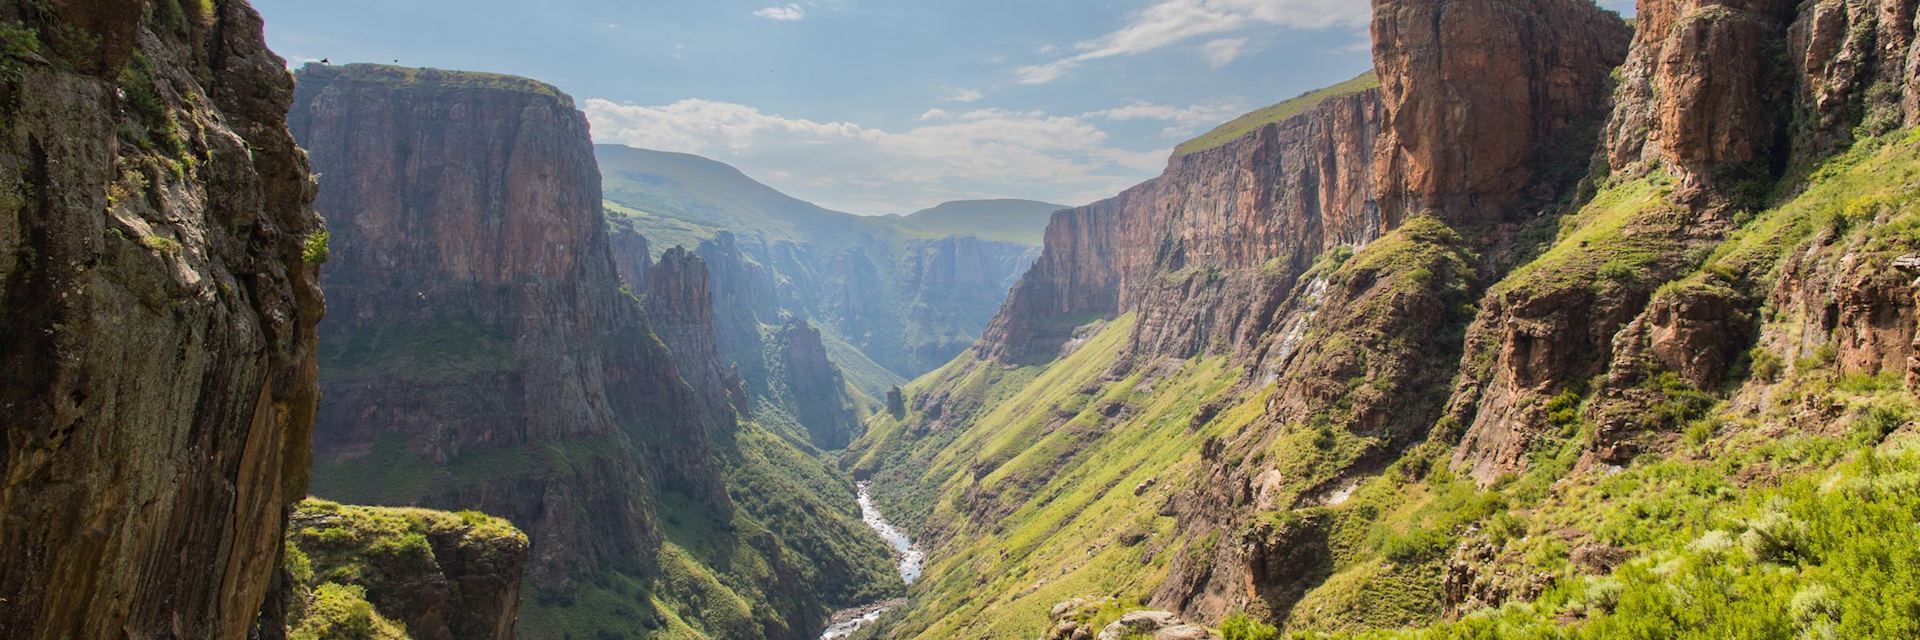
160	301
1489	103
445	576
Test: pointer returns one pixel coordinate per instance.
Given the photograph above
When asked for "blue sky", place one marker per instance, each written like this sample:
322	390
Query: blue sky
877	106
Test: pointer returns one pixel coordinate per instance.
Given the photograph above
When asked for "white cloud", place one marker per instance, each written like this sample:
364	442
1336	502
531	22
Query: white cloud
1224	51
962	95
1181	121
1170	22
783	13
975	154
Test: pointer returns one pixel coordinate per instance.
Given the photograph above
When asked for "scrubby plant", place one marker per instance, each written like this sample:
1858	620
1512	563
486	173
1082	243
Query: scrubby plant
314	249
1240	626
341	612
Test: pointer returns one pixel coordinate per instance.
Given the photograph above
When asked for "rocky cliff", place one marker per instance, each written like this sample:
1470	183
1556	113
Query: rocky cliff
157	261
1203	249
440	575
1492	105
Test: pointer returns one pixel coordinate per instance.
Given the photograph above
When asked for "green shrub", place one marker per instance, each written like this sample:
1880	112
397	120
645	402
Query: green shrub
1241	627
161	244
341	612
1619	271
1417	546
1564	409
314	249
1765	365
1881	420
1679	404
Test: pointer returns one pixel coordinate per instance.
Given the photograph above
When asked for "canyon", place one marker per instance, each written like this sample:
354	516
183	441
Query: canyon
484	353
1553	323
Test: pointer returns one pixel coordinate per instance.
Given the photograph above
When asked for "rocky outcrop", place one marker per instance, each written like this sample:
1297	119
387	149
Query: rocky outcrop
1201	250
632	257
1726	92
158	257
786	369
818	391
679	302
1490	103
443	575
480	318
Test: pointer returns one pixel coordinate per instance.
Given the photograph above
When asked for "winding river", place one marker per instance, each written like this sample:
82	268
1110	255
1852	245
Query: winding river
911	560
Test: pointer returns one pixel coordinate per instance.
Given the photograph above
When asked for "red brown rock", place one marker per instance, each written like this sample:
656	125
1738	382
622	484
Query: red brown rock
1485	97
1271	201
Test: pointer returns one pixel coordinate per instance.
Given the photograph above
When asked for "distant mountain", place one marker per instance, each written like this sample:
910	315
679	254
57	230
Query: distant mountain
905	293
711	197
1018	221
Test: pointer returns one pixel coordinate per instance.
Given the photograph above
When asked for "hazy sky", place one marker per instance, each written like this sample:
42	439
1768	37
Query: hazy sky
877	106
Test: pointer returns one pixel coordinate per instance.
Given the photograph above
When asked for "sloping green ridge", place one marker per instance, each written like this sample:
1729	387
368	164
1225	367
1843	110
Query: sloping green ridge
1246	124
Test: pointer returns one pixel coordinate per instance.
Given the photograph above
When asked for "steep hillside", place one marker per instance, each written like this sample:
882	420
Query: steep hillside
905	293
158	257
1569	329
486	354
1017	221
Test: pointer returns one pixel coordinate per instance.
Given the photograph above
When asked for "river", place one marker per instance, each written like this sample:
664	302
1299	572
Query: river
908	556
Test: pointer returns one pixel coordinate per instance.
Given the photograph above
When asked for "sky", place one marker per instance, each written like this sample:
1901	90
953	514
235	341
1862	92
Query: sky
877	106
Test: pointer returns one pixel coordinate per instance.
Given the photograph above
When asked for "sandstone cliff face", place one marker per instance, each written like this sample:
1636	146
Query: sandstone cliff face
480	319
1490	103
159	319
953	286
1717	85
720	314
1198	250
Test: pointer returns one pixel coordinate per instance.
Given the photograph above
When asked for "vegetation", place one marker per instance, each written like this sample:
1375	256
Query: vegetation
313	250
341	612
1246	124
342	558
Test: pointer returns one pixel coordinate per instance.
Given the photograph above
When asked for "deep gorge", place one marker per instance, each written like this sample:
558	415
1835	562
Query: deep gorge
1553	323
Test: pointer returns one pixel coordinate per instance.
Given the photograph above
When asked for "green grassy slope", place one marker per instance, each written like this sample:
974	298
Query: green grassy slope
1058	515
1782	509
1776	505
1246	124
690	190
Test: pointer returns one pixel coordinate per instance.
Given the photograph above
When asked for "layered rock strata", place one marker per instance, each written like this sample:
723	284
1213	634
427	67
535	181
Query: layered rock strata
158	258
